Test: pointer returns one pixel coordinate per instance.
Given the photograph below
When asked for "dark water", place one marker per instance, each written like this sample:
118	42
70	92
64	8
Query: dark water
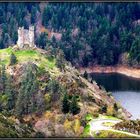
126	90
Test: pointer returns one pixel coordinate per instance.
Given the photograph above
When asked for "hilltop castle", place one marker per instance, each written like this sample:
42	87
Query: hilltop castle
25	37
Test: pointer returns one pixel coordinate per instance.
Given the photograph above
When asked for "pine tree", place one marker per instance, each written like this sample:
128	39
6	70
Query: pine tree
65	104
54	89
26	98
3	79
74	108
33	15
13	59
85	75
46	16
9	91
42	40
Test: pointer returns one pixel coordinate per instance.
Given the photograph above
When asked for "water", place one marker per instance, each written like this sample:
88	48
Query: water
126	90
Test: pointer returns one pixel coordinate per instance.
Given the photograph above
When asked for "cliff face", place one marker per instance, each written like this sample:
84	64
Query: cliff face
91	99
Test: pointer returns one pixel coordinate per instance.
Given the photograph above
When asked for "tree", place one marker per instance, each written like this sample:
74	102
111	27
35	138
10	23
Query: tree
54	89
135	50
40	103
65	104
60	61
115	106
46	16
42	40
33	15
26	101
9	92
3	79
13	59
15	36
104	109
85	75
74	108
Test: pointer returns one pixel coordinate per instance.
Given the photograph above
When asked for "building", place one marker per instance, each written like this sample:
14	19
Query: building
26	37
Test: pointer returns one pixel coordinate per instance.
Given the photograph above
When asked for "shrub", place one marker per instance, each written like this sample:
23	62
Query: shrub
104	109
13	59
65	104
110	110
115	106
76	126
74	108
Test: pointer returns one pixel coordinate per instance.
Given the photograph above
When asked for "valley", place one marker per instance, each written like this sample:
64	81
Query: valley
69	70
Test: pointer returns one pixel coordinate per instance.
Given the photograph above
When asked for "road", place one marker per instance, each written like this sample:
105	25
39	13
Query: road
97	125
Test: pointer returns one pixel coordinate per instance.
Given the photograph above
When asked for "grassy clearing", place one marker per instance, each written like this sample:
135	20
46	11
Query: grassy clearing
27	55
108	124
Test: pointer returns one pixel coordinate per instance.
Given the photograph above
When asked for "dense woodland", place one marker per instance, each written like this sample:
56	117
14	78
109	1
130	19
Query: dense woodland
106	31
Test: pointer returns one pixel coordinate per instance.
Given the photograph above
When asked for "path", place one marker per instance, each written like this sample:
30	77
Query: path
97	125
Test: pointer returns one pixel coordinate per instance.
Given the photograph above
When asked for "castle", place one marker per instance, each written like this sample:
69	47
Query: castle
25	37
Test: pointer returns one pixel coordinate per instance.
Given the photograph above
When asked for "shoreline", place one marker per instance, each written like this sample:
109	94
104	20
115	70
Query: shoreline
127	71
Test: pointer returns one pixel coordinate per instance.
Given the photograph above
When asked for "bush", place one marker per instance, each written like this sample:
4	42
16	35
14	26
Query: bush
115	106
47	101
104	109
110	110
13	59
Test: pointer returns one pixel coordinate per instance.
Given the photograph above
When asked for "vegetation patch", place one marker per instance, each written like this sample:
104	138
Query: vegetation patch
111	134
88	117
108	124
86	131
27	55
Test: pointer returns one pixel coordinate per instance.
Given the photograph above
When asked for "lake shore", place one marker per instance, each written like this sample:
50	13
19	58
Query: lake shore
128	71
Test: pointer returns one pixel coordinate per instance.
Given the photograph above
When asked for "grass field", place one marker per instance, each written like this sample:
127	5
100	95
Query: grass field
26	55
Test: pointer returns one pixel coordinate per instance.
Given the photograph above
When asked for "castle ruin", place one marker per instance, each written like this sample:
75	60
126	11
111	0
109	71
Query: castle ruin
25	37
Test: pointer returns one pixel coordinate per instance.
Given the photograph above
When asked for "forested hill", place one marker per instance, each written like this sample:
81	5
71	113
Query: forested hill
92	33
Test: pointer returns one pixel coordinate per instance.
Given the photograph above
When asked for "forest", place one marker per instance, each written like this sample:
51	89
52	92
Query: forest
92	33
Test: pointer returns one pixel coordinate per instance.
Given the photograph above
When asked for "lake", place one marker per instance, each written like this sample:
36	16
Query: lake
125	89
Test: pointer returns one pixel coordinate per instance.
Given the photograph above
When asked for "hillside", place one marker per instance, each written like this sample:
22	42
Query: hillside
45	92
10	127
88	33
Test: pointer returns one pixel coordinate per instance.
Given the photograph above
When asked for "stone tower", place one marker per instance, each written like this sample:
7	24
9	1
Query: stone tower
20	41
26	37
31	36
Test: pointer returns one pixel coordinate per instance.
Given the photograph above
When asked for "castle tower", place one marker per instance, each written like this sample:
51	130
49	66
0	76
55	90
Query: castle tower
20	41
31	36
25	37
